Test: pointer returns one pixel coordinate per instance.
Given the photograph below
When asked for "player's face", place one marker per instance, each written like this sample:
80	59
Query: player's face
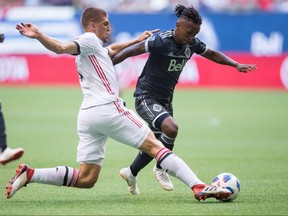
103	29
185	31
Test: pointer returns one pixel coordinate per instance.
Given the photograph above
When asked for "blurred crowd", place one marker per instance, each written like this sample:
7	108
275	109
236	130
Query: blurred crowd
151	6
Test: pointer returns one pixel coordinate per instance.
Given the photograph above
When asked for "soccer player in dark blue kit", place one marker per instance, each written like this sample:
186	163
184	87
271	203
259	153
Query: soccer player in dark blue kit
6	154
169	52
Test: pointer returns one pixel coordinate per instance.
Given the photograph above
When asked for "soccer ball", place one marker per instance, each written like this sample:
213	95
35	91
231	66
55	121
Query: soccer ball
230	182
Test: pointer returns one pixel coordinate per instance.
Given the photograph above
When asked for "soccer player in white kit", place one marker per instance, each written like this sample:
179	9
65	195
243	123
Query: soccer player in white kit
102	115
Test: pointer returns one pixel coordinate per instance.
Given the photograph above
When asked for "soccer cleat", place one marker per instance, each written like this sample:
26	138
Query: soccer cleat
22	177
202	192
131	180
10	154
163	178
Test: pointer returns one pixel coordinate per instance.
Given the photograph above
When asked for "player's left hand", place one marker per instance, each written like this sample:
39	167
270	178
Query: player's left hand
244	68
146	34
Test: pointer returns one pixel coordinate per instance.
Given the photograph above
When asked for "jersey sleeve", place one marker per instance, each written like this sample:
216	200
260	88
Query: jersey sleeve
87	43
201	47
156	44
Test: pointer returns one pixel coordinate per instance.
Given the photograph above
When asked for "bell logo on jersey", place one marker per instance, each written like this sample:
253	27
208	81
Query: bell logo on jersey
173	66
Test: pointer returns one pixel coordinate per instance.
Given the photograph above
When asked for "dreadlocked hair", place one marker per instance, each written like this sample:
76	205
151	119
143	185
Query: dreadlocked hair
189	13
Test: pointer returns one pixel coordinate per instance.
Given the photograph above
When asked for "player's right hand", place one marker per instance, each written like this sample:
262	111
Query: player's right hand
28	30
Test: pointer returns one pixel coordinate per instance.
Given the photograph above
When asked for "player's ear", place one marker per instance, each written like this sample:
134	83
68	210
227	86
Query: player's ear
177	24
93	25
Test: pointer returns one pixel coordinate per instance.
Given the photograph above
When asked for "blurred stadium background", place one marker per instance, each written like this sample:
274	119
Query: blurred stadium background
250	31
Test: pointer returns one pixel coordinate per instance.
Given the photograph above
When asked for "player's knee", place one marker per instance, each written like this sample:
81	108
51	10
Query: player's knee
90	182
86	180
174	131
88	175
171	130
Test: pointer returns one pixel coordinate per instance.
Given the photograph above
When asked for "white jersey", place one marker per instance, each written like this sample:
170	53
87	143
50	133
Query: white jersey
97	75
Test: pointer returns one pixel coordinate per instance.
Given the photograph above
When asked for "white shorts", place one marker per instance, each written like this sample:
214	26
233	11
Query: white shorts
113	120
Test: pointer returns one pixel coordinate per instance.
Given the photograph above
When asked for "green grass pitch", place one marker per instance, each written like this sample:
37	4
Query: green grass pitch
238	131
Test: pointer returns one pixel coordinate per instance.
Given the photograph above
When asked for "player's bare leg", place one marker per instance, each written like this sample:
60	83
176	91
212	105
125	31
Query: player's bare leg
85	177
176	167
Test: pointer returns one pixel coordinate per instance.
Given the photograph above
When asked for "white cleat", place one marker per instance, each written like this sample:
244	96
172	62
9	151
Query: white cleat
163	178
22	177
10	154
208	191
131	180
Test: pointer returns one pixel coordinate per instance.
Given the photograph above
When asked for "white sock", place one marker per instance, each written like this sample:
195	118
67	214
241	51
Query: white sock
59	176
176	167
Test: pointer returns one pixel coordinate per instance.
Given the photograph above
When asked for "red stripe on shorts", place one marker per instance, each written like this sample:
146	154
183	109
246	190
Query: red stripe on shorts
128	114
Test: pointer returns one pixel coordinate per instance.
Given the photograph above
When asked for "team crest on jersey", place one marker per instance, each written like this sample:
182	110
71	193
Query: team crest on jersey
187	52
157	108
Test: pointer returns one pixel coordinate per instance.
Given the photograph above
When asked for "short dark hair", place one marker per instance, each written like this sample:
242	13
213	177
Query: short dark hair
92	14
189	13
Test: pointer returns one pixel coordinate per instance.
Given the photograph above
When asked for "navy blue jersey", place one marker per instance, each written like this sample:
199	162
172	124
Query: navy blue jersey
165	64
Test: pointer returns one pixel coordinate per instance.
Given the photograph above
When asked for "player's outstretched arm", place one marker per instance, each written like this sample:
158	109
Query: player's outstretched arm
136	49
31	31
221	58
117	47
